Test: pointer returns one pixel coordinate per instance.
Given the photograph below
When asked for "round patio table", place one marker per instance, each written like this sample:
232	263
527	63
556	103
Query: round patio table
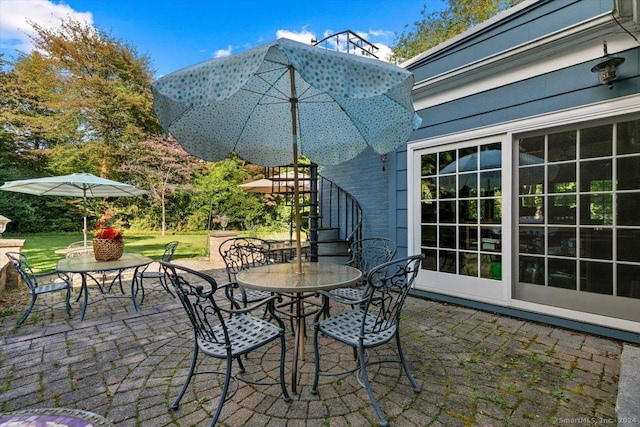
46	417
87	264
284	279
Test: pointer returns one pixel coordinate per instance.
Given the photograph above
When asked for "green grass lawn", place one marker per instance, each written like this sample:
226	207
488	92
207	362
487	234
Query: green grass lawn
40	248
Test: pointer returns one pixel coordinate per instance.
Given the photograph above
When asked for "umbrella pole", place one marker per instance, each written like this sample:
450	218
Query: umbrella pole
84	228
296	191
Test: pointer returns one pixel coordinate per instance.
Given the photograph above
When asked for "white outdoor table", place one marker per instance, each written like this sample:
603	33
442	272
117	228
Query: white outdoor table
283	279
86	264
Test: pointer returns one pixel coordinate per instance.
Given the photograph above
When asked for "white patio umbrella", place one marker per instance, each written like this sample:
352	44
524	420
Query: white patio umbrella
75	185
278	184
285	98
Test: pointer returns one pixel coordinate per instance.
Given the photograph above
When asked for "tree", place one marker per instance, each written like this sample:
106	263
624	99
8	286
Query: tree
439	26
163	167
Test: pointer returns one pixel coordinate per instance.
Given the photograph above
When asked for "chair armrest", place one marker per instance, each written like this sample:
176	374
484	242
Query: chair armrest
250	308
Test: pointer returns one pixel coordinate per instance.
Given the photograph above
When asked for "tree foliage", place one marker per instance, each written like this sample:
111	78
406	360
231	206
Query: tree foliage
439	26
163	167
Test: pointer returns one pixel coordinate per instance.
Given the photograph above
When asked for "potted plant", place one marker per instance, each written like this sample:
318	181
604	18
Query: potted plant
108	242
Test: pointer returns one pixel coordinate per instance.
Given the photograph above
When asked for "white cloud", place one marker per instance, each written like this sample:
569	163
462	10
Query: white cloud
303	36
16	14
220	53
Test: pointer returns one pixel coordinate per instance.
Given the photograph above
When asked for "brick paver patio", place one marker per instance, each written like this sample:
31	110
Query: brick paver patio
475	369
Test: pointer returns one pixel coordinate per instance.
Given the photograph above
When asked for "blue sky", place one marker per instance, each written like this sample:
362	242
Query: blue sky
178	33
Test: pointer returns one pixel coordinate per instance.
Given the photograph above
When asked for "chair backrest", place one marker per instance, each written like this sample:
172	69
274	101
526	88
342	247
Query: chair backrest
20	262
387	288
196	291
240	253
370	252
169	250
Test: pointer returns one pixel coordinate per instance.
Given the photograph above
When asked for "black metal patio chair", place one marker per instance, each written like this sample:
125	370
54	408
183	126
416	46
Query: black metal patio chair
147	273
224	333
375	321
240	253
364	255
20	262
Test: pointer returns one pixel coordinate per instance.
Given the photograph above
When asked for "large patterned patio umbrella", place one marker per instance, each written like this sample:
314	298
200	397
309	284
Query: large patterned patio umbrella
74	185
285	98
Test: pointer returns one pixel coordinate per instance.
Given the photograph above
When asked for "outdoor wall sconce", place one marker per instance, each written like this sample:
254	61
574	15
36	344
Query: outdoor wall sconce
3	224
606	68
383	160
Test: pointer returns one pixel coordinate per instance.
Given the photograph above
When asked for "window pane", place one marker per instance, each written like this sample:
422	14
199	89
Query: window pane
562	146
562	273
562	241
531	270
428	164
563	179
491	210
596	141
629	173
468	159
628	245
596	277
532	240
447	158
468	238
531	180
448	262
491	156
531	210
491	183
447	187
533	146
629	137
429	235
430	261
596	176
596	243
448	211
628	206
429	211
596	209
468	211
469	264
468	185
491	238
428	189
562	209
629	281
491	267
448	237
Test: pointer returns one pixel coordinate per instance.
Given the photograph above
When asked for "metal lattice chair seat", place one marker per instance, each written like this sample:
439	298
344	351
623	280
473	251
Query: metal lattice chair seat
375	321
250	296
366	254
346	327
20	262
225	333
246	333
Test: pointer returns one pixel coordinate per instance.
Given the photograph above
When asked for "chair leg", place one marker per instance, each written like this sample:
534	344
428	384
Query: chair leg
194	359
283	353
163	282
26	313
415	385
68	297
225	389
367	385
316	360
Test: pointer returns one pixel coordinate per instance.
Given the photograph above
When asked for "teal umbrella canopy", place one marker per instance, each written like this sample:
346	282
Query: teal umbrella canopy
75	185
345	103
283	99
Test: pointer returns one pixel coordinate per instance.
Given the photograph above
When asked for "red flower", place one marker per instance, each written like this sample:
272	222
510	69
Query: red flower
105	230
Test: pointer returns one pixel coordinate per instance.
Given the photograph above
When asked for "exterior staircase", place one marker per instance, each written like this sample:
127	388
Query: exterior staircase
333	215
